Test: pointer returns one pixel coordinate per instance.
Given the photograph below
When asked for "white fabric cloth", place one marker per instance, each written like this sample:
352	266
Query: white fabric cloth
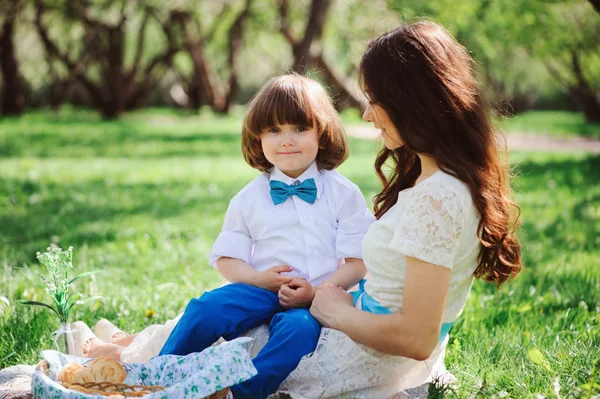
310	238
435	221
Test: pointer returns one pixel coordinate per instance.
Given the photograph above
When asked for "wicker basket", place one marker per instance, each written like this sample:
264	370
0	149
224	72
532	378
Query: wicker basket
113	390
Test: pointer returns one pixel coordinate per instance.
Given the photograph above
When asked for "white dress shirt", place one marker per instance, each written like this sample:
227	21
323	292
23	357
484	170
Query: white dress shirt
313	239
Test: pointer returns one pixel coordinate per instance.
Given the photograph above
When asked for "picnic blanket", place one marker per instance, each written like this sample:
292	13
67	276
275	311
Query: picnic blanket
194	376
16	381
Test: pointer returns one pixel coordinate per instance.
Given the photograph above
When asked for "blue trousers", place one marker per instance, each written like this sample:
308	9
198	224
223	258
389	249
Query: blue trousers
236	308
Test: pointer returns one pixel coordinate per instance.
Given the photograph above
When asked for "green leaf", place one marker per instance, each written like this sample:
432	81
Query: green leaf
36	303
29	273
90	299
538	358
84	274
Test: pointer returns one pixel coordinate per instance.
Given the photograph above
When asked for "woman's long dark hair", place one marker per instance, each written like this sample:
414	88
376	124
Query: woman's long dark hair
424	79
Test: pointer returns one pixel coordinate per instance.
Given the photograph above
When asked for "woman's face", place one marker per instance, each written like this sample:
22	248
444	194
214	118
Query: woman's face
390	135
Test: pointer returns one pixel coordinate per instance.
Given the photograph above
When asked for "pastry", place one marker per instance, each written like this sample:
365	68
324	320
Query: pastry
75	373
105	369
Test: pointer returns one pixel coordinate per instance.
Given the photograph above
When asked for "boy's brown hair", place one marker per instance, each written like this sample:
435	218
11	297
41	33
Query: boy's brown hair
296	100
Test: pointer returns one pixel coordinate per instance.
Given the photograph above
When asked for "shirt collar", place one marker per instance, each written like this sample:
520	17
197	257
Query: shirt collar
312	172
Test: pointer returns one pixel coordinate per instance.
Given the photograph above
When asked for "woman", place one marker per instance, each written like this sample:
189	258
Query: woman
444	218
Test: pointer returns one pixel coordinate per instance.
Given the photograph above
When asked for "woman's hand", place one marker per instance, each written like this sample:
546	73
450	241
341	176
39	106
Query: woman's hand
329	304
298	293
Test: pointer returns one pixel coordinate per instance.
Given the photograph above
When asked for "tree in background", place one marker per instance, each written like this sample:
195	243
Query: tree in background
512	78
308	51
120	54
99	65
577	66
13	96
204	83
564	35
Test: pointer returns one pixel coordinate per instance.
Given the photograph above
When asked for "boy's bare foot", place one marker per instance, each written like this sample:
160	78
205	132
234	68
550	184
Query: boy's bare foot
95	347
122	338
109	333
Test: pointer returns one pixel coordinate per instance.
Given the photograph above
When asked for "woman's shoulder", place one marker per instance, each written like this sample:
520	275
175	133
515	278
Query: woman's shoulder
442	186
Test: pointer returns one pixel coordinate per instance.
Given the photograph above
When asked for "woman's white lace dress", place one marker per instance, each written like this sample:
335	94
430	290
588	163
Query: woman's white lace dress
435	221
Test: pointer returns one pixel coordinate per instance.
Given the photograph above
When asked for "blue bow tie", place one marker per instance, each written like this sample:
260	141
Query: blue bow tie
306	191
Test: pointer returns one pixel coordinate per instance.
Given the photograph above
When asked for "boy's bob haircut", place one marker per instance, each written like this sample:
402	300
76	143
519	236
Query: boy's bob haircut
296	100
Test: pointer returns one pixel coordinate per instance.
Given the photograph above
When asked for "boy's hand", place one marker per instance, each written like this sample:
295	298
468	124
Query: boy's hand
298	293
272	280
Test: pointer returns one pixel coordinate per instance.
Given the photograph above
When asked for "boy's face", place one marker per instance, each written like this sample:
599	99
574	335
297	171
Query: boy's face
291	148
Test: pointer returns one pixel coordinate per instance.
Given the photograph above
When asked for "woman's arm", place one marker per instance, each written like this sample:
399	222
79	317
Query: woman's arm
413	333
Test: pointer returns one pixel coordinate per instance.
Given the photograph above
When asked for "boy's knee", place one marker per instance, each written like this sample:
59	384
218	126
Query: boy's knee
300	320
204	306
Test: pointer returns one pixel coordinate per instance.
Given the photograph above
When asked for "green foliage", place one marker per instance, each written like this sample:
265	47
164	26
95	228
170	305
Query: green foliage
57	284
523	48
514	43
143	199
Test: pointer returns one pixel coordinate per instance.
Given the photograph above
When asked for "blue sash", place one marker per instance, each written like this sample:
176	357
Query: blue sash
371	305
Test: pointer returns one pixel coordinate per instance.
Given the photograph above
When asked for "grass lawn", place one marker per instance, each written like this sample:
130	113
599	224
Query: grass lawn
143	199
552	123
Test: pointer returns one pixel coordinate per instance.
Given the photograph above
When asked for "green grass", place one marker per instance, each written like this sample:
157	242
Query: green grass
552	123
143	199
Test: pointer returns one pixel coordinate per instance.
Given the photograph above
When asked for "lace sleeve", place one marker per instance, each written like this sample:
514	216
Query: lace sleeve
431	225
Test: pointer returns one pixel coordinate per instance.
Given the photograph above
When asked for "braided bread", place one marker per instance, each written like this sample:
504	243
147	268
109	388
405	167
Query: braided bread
75	373
105	369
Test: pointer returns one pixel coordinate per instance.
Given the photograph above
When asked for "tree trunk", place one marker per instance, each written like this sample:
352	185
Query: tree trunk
113	73
58	93
13	101
194	92
204	74
305	49
346	97
587	97
589	102
236	33
308	52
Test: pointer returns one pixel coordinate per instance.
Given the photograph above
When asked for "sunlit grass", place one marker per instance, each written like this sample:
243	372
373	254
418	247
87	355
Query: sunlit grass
553	123
143	199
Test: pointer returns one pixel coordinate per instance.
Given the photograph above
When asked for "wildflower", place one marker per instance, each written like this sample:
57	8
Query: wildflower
58	283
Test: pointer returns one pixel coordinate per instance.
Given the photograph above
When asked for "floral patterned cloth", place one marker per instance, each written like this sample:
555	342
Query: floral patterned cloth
196	375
